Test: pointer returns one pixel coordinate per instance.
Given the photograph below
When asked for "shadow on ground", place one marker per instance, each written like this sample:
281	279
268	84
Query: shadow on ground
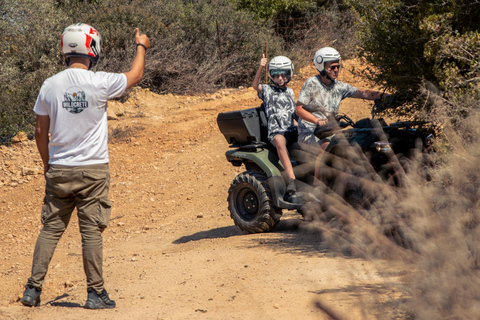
57	303
217	233
288	236
233	231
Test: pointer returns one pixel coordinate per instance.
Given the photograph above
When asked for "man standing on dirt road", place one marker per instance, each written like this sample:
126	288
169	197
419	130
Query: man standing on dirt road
72	106
320	98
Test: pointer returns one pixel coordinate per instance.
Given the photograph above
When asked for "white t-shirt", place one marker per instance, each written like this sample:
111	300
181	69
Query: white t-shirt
321	100
76	102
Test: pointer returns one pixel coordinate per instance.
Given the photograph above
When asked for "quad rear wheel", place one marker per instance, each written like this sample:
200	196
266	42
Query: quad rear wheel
250	203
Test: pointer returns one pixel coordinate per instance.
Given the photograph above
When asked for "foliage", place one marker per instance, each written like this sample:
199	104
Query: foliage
271	9
306	24
28	54
184	56
330	28
413	43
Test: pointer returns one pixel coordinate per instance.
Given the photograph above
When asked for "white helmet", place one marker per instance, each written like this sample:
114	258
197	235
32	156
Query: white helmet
326	54
81	40
280	64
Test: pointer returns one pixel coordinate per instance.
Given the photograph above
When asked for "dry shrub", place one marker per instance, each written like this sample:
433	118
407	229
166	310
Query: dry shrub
445	226
330	28
29	54
431	223
184	56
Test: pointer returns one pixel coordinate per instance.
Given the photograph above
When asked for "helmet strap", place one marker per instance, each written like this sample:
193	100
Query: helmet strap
277	85
324	74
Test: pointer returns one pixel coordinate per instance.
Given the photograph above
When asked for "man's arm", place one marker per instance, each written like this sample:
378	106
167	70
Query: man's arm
41	138
368	94
138	65
308	116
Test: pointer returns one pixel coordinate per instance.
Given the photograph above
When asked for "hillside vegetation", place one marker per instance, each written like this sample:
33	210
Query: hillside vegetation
201	46
197	46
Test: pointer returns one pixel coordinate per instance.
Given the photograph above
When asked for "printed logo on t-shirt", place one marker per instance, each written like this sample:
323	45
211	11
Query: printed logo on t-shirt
75	100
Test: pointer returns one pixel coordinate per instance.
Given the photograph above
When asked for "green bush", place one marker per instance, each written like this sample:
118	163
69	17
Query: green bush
307	25
412	43
273	9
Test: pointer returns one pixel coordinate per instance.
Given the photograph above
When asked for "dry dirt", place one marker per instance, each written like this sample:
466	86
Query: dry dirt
171	250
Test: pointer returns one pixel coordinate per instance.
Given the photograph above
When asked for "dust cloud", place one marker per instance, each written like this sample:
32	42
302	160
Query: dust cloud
426	216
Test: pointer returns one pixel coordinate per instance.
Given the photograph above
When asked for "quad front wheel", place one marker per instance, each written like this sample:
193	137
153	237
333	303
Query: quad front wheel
250	203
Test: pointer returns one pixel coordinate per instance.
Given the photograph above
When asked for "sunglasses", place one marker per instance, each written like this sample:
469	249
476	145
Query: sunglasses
333	68
279	72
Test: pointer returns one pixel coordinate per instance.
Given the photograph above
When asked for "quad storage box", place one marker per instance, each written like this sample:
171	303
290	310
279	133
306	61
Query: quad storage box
241	127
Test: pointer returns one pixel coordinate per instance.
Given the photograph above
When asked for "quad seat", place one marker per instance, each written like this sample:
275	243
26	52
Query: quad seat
246	129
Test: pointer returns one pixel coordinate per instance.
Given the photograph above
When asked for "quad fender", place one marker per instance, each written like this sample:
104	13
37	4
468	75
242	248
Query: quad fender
266	160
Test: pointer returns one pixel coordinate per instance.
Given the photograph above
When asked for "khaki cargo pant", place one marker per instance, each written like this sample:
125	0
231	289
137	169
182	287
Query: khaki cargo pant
83	187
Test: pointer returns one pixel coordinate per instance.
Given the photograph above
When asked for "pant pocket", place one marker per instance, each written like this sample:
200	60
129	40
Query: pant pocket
54	177
105	212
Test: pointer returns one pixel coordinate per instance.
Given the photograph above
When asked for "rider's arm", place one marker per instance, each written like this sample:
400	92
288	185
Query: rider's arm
368	94
256	82
308	116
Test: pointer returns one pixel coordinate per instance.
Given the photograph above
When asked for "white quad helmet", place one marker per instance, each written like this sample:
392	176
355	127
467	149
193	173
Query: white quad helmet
81	40
280	64
326	54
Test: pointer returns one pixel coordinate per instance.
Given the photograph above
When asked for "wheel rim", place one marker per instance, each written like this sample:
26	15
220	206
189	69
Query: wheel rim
247	204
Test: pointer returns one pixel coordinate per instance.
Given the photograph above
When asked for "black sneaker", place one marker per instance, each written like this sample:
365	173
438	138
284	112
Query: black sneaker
99	301
291	188
31	296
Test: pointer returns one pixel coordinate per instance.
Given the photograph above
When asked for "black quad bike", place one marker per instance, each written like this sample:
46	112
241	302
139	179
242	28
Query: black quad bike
365	151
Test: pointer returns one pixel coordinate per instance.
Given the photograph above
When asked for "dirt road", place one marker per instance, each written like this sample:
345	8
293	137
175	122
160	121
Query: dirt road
171	250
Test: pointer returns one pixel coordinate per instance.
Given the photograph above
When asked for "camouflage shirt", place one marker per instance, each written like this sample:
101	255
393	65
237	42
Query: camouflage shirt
279	108
321	100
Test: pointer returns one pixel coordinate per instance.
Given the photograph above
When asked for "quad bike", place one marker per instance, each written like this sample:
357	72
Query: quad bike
360	152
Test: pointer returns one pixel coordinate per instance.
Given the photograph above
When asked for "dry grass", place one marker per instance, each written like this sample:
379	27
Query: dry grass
431	224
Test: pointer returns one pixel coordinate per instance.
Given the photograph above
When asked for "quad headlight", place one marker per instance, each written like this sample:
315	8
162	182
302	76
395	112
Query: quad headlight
383	147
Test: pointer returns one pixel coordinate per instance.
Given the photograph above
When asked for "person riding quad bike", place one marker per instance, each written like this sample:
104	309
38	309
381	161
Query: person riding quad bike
320	98
257	196
279	103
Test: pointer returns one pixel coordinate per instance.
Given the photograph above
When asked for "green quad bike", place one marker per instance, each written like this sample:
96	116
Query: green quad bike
256	197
